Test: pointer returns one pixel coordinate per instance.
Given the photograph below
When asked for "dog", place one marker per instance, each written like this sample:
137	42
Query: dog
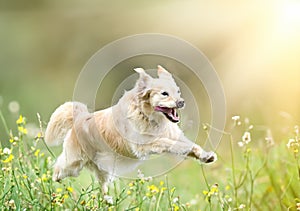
117	139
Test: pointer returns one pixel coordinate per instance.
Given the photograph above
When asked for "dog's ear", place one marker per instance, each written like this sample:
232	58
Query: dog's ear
143	81
162	72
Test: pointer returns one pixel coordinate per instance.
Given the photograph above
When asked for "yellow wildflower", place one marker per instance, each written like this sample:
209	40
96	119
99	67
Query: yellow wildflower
22	130
70	189
8	159
39	135
130	184
172	190
205	192
214	188
175	207
153	189
21	120
36	153
58	190
44	177
163	189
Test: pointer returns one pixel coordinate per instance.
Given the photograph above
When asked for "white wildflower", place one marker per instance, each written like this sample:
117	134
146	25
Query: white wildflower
6	151
235	118
12	204
292	142
246	137
140	174
175	200
242	206
108	199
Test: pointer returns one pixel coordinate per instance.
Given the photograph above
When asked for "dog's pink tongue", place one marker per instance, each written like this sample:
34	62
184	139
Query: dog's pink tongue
163	109
171	112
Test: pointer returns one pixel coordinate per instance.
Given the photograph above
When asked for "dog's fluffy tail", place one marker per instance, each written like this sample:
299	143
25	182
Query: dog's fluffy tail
61	121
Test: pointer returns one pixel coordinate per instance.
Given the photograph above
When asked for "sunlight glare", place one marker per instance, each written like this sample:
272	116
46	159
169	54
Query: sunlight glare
289	18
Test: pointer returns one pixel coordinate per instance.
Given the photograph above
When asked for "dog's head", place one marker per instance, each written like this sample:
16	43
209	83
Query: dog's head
161	95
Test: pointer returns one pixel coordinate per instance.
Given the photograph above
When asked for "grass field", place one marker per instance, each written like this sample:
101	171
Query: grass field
252	173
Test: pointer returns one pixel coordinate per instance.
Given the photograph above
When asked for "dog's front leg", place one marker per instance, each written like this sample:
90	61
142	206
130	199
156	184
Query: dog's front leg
197	151
183	147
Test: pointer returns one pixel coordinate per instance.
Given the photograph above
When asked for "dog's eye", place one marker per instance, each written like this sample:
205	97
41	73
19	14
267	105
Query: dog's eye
165	93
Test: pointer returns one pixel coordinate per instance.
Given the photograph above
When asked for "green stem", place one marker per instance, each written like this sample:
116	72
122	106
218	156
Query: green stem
251	190
27	186
49	150
207	185
252	179
204	176
233	171
168	192
158	201
298	167
4	123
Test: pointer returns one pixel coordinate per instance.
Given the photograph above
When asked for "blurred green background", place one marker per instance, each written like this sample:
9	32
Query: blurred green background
253	45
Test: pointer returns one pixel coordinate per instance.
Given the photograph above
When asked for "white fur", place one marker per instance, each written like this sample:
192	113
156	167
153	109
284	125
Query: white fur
117	139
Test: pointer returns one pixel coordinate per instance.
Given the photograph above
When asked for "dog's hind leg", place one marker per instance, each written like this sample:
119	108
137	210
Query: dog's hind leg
70	161
102	176
104	179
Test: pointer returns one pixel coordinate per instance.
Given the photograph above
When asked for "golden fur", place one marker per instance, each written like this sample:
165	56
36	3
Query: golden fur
117	139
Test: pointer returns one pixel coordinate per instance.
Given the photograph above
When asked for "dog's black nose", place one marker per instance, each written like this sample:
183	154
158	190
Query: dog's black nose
180	103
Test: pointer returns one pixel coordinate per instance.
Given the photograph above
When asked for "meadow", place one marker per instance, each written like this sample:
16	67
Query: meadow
255	174
254	47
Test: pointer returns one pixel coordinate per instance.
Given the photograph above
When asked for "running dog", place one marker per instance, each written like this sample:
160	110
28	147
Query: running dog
118	138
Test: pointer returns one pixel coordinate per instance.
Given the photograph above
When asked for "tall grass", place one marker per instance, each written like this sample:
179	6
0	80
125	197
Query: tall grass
258	174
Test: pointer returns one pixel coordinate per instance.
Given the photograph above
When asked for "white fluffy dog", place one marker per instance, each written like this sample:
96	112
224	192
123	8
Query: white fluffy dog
118	138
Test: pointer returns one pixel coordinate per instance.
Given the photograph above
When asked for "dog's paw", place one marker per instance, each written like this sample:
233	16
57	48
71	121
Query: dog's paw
208	157
56	177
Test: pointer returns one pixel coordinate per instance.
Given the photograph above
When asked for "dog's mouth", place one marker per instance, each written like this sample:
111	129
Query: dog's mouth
170	113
